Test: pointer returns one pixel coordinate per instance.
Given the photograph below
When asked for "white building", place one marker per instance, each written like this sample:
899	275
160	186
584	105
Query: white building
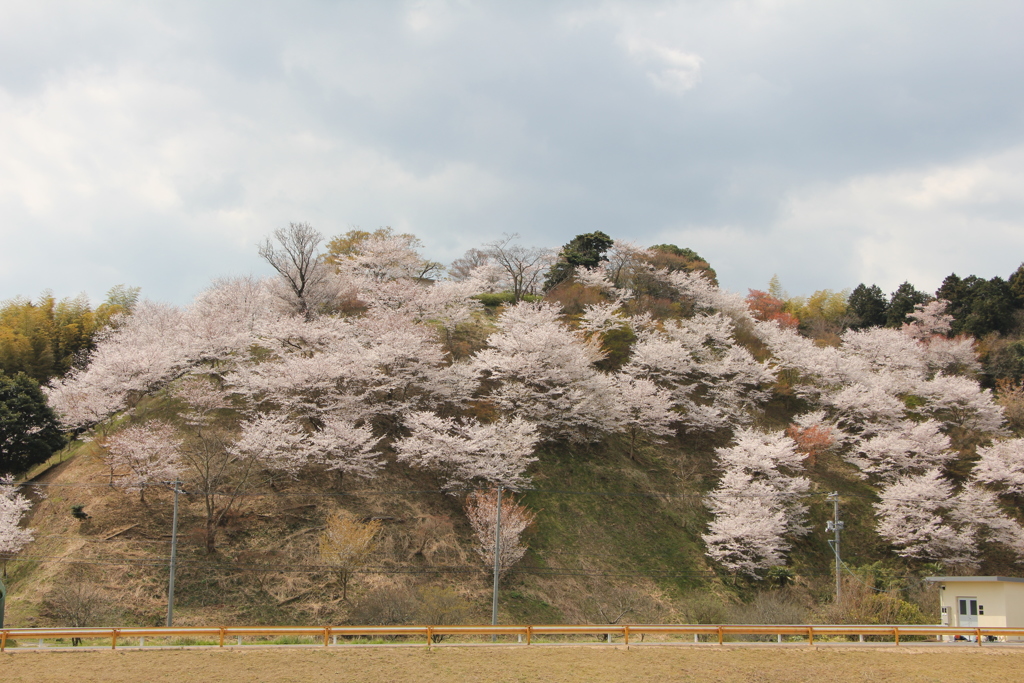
981	601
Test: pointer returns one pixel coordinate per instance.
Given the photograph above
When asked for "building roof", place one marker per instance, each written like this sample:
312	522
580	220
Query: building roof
951	579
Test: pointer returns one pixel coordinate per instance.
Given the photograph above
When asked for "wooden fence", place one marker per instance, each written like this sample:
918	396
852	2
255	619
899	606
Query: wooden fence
719	633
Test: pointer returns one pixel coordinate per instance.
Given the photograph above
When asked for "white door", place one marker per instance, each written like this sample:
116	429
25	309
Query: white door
967	611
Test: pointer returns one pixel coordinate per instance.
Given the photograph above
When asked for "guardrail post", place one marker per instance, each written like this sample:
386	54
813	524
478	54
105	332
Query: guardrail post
529	634
113	639
978	632
327	635
721	635
430	637
142	641
810	635
625	635
896	634
222	636
3	641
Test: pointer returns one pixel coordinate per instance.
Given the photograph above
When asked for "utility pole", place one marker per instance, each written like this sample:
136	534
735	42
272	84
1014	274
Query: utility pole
835	525
174	557
497	563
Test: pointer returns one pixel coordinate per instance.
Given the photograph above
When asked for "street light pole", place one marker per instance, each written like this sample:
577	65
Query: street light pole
174	557
497	562
836	526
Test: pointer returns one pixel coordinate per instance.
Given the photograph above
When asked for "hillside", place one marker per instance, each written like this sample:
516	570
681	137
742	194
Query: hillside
673	449
615	537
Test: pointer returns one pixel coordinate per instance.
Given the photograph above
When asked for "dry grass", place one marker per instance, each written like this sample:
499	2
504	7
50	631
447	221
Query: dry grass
516	664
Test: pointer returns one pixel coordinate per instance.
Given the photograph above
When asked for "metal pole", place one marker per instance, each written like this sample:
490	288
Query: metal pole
836	526
3	601
497	563
174	557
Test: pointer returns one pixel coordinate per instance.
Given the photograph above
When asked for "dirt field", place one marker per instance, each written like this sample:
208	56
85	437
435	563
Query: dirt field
517	664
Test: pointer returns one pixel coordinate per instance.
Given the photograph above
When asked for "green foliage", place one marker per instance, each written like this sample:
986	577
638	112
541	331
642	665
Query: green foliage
495	298
902	303
617	344
28	428
824	305
43	339
1004	359
503	298
978	306
868	306
780	576
1016	284
587	250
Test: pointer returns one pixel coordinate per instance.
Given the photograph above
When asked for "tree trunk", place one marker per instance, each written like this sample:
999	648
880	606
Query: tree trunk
211	535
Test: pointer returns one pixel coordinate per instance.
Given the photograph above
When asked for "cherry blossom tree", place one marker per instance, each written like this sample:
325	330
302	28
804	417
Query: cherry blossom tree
747	532
960	401
756	505
481	511
382	257
714	382
157	344
912	516
643	411
144	455
147	350
977	510
464	450
1002	465
928	320
537	368
913	447
13	506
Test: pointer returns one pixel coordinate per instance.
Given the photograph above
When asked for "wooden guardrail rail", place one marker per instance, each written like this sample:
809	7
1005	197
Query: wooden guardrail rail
526	634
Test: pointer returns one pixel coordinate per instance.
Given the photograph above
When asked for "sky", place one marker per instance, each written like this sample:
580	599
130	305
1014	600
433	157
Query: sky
826	141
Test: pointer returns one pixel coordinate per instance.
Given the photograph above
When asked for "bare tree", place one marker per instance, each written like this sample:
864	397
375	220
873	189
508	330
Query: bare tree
302	270
76	602
461	268
525	265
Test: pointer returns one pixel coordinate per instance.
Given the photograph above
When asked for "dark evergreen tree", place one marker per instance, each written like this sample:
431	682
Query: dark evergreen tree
902	303
1016	284
978	306
28	428
587	250
868	305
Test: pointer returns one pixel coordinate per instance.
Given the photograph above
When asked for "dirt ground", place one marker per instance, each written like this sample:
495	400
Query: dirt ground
519	664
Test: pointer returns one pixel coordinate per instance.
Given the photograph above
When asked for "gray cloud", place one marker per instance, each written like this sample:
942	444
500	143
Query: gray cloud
828	142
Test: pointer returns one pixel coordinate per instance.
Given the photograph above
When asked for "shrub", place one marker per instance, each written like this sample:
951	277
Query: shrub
386	606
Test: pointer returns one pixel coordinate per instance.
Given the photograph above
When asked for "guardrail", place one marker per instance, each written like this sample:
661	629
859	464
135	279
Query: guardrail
430	633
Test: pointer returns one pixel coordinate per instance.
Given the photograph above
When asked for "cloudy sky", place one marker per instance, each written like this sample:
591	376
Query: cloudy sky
831	142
